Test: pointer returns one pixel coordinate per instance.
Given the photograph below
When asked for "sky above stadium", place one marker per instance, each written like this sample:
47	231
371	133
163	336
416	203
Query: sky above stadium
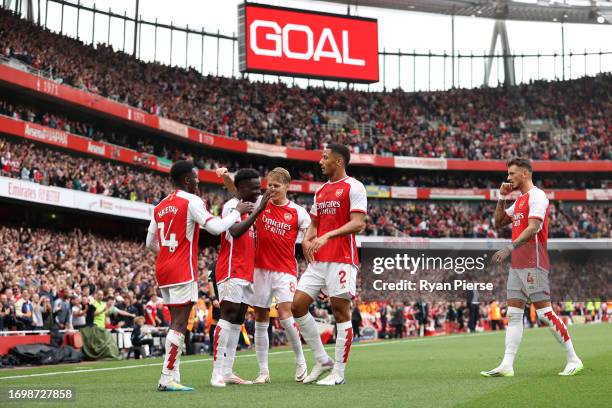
407	31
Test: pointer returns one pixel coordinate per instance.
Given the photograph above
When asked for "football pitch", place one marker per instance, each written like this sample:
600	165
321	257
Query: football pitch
429	372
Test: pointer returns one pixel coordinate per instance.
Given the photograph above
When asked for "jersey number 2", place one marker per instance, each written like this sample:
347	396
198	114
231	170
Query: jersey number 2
171	243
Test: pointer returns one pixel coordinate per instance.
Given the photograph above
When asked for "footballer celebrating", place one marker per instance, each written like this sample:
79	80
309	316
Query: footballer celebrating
278	227
173	235
528	275
234	274
338	213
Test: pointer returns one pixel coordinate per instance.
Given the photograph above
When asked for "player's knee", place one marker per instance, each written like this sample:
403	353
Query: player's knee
298	309
262	315
341	315
284	311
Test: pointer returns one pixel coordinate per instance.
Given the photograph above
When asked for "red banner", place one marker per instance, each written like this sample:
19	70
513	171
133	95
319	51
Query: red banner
284	41
98	104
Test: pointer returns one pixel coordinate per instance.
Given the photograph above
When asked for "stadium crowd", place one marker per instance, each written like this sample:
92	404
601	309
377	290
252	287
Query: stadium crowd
473	124
303	170
385	217
51	279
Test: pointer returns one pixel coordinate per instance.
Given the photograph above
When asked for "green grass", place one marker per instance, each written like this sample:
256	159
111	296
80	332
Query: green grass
431	372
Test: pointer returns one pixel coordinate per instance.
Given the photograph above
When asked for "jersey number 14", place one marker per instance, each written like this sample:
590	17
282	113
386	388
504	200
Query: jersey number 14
171	243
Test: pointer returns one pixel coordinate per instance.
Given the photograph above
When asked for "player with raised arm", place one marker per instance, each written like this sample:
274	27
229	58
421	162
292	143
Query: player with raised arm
234	274
338	213
173	235
528	275
278	227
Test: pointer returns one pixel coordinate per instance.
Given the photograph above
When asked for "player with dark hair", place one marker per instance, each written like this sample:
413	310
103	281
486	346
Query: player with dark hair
234	274
528	275
278	228
338	213
173	234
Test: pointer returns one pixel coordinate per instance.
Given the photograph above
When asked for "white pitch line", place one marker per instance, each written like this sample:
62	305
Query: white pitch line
201	360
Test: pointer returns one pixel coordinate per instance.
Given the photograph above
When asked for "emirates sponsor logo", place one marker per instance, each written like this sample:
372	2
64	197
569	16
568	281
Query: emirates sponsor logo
275	226
328	207
47	135
106	204
206	138
96	149
173	127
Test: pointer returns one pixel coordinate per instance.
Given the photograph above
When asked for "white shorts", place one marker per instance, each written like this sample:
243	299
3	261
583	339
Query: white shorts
331	278
235	290
180	295
528	284
268	284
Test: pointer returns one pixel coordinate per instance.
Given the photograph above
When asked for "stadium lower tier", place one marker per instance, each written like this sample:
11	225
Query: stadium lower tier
434	219
38	266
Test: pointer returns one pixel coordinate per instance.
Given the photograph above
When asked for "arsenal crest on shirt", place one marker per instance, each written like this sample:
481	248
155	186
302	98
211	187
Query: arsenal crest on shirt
339	192
288	217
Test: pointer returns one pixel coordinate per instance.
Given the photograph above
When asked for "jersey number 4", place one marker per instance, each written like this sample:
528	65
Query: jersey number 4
171	243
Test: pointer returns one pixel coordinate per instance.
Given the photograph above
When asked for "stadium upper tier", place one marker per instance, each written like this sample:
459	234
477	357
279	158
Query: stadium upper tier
545	121
57	124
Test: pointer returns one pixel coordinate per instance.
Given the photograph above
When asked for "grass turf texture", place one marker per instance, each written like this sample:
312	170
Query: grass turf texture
441	372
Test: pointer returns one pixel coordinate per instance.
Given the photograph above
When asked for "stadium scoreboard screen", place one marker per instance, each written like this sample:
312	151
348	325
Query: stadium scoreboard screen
301	43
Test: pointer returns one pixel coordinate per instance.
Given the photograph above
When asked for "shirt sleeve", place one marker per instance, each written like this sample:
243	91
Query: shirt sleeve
198	212
218	225
303	218
538	204
313	209
152	227
359	198
510	210
228	207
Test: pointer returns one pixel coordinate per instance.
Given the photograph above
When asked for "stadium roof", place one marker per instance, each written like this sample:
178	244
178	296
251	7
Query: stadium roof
570	11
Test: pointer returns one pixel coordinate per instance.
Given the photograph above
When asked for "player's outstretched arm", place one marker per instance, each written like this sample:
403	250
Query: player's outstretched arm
228	182
240	228
212	224
217	225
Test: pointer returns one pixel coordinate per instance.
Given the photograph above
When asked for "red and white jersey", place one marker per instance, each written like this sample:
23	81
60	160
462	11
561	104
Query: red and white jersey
534	254
278	227
333	205
175	224
237	255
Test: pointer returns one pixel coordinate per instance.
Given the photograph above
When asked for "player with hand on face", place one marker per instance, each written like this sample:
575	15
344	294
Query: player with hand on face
528	275
173	235
234	274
